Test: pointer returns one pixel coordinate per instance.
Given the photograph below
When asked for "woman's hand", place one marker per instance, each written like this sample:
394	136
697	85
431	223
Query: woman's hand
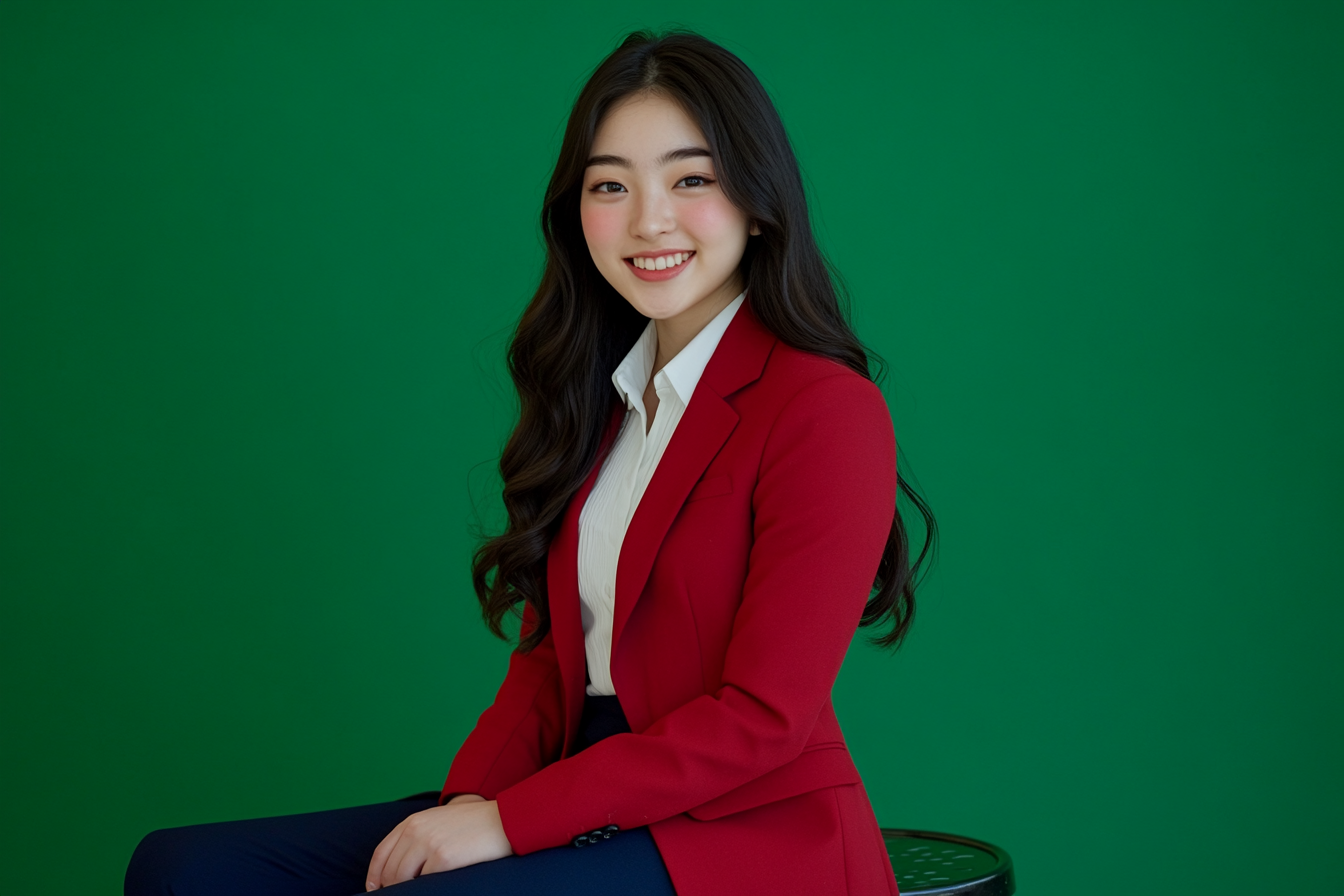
465	831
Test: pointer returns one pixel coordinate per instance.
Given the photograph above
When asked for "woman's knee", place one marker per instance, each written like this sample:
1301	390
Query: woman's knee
181	862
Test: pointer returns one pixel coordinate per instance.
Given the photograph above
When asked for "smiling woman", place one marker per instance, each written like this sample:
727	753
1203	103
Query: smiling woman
701	494
657	215
651	215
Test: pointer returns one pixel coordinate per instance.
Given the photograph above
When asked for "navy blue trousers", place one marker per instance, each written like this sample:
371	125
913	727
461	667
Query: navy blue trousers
327	853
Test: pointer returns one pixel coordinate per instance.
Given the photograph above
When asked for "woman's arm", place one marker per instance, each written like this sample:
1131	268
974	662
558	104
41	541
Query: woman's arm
520	732
824	504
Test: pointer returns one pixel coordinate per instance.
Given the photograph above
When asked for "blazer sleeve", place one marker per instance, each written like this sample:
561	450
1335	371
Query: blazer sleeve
823	506
522	731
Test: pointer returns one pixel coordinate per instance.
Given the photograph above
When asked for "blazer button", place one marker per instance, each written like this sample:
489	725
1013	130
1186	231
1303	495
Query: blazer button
595	836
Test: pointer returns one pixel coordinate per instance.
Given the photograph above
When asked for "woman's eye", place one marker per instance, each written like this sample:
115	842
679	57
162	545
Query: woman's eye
695	180
608	187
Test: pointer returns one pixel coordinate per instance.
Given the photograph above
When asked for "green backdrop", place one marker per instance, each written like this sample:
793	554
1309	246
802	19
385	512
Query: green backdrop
258	265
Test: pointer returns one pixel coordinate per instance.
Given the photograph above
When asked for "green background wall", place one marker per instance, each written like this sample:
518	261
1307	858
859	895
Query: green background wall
258	265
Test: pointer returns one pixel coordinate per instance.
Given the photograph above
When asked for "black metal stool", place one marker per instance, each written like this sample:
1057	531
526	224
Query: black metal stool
931	864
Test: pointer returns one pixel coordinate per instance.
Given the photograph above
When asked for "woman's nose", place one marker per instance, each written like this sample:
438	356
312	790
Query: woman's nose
653	216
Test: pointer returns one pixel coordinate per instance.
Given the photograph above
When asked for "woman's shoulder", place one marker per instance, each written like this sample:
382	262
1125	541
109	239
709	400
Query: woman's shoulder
816	408
792	374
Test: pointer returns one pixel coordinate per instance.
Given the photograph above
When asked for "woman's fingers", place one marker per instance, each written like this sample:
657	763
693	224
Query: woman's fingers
439	839
373	880
409	854
408	868
388	875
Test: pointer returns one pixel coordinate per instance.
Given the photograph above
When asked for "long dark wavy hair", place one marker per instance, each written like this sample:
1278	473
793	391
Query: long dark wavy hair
577	327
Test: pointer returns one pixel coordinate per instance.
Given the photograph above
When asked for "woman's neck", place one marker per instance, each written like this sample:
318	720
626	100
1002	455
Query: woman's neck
676	332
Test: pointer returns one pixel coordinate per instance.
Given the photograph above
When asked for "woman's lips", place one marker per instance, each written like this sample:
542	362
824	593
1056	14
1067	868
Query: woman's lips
651	275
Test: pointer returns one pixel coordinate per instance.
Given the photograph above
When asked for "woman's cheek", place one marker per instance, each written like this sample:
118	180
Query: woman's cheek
602	227
712	218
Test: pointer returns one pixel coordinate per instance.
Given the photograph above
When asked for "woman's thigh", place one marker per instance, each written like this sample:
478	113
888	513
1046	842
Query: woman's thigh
327	854
627	863
313	854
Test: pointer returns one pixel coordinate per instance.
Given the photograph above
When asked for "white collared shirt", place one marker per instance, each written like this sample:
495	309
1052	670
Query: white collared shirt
626	473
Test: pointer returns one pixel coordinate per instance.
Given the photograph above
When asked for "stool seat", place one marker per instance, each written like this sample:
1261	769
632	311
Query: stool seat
931	864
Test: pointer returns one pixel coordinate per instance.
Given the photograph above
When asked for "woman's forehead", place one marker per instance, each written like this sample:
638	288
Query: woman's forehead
643	128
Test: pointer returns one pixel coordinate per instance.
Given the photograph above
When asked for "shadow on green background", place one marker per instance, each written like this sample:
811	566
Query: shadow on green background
258	263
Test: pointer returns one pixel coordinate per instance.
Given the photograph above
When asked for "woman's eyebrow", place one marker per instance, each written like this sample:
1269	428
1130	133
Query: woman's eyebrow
674	155
686	152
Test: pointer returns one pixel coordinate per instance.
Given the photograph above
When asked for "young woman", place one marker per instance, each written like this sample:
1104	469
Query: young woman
701	493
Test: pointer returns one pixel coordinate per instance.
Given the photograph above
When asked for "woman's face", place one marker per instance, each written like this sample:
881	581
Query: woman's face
658	226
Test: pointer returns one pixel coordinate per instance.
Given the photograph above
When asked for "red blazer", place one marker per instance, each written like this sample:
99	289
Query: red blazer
739	587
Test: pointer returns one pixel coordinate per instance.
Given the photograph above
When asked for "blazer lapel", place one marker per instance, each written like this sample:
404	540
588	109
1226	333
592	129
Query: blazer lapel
706	424
562	591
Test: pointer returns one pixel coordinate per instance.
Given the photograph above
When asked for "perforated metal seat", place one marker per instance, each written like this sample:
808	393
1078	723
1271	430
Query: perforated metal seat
932	864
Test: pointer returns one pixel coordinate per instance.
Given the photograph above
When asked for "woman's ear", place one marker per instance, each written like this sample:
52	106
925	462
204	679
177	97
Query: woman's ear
755	229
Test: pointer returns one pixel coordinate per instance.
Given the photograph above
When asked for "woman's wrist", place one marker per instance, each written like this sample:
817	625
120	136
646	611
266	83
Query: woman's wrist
465	798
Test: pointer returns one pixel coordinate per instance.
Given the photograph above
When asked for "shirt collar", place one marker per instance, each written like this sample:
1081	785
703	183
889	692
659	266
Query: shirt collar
631	376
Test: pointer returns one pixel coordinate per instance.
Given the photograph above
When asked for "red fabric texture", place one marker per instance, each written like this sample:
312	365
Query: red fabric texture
739	586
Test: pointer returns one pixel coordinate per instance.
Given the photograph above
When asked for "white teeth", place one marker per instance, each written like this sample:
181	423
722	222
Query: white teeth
662	262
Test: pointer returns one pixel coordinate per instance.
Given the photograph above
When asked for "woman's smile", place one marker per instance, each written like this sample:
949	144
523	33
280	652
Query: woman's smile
658	225
653	266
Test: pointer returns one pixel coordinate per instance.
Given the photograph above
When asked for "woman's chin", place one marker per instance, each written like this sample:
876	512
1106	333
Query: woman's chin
670	310
670	298
658	300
